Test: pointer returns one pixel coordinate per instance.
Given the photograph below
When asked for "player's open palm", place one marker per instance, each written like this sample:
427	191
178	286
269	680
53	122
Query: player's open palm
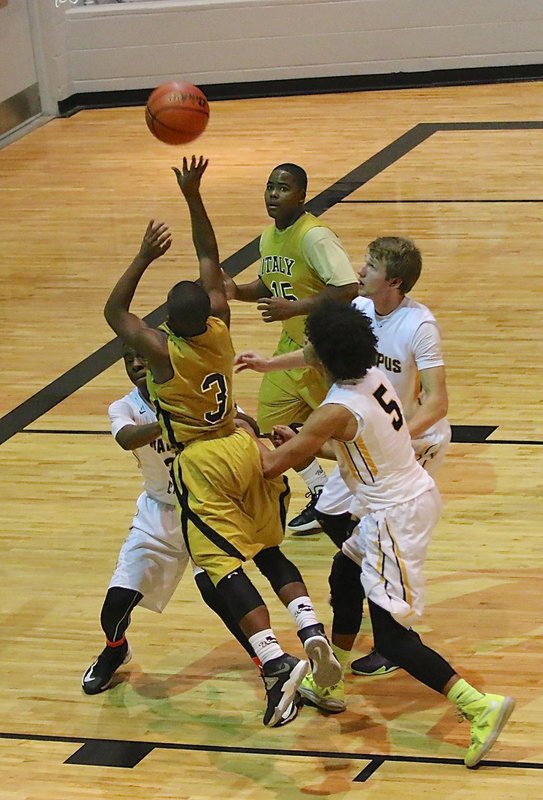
157	240
190	175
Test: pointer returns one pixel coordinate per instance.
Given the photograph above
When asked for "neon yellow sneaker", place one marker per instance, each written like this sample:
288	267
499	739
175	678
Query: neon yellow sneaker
487	717
331	699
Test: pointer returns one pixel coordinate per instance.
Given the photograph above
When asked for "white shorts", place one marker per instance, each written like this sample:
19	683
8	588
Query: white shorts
430	450
390	545
153	557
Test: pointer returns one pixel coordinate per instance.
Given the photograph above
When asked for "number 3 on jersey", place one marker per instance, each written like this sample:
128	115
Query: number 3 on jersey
218	382
391	407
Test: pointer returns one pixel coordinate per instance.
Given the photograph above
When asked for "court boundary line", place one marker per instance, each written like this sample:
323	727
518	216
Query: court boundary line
375	760
93	365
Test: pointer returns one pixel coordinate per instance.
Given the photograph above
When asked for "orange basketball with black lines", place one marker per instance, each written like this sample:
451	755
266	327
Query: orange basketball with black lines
177	112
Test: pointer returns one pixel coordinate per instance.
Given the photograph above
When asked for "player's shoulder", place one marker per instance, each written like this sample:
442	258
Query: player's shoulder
131	403
313	230
416	309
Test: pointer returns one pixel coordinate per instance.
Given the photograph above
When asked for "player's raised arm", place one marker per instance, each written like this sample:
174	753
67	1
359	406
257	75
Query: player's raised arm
133	330
189	177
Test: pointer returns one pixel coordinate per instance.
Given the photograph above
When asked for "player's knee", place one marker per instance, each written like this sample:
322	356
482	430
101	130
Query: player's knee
277	568
347	594
392	640
115	614
239	593
208	590
337	526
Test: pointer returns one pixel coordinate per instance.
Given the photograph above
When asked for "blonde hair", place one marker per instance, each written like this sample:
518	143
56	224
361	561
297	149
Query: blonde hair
400	257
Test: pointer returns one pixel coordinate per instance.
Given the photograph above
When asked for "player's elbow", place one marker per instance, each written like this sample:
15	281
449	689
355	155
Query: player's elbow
111	314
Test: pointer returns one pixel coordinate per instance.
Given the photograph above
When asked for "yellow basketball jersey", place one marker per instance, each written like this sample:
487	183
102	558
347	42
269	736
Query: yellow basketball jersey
196	403
286	273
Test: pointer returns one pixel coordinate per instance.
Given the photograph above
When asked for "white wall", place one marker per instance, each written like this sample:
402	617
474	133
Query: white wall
139	45
17	69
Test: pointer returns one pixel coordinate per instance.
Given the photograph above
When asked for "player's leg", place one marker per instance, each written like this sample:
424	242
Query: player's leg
487	713
150	565
430	452
374	663
215	601
282	673
214	481
115	619
346	596
333	513
287	583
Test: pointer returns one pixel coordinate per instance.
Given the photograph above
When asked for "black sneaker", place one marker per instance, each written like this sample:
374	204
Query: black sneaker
306	522
373	664
282	676
99	675
325	667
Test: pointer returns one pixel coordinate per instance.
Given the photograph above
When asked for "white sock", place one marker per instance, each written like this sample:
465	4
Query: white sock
265	645
303	612
314	476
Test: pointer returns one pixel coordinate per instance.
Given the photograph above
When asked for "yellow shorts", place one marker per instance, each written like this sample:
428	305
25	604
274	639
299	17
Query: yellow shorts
289	397
229	511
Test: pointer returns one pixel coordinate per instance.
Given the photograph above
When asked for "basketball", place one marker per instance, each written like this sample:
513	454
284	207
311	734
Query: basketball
177	112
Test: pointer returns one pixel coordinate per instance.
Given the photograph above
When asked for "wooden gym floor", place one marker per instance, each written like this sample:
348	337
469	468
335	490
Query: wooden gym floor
458	169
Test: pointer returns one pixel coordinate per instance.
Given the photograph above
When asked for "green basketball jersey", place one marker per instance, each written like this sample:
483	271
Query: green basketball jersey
286	273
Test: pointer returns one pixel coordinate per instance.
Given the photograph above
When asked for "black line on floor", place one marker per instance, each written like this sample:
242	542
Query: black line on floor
461	434
369	770
264	751
472	433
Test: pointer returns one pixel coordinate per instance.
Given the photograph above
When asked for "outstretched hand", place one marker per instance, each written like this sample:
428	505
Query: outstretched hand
156	241
251	360
189	177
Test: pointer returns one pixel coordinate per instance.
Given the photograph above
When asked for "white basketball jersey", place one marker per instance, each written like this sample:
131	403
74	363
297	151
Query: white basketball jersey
153	459
407	341
378	465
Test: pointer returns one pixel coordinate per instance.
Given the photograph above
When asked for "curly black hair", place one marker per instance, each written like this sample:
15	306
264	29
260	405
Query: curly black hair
343	339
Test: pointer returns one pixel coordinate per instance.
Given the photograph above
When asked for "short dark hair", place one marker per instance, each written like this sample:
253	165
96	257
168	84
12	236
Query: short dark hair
400	257
343	339
298	173
188	307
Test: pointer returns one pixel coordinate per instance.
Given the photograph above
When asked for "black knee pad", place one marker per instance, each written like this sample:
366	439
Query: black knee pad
116	610
240	594
347	595
391	639
276	567
208	591
337	526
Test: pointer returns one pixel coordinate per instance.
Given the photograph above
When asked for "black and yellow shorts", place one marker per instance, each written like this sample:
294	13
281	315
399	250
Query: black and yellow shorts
229	511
